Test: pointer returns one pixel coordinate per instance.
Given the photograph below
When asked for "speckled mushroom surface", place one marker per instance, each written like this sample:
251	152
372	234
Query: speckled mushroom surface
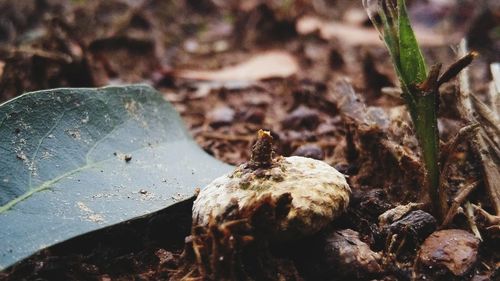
319	193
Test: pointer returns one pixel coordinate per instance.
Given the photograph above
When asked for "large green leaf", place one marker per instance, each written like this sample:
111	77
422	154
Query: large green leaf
63	168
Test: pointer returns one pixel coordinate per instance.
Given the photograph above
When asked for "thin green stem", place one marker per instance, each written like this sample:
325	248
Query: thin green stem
427	134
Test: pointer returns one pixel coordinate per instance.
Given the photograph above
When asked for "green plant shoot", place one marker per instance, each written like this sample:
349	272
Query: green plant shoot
419	87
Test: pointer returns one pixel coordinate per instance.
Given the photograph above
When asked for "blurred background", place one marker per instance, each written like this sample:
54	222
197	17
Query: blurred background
231	67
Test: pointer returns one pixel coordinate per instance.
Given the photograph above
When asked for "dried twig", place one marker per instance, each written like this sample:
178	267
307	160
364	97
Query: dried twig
453	70
489	117
55	56
392	92
447	151
495	148
495	72
465	107
463	134
122	21
457	201
494	97
494	91
491	219
469	213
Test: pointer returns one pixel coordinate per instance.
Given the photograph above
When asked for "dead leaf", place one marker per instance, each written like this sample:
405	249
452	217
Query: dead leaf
355	35
261	66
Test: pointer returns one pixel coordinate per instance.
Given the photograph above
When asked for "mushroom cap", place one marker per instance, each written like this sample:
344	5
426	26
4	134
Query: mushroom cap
319	193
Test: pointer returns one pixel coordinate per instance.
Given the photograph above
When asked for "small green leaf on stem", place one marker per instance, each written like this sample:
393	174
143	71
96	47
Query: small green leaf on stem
413	68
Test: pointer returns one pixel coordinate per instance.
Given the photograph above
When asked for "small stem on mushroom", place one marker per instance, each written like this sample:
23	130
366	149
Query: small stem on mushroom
262	151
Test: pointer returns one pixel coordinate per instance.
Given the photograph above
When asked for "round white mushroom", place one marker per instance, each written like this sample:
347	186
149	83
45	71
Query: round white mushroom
319	192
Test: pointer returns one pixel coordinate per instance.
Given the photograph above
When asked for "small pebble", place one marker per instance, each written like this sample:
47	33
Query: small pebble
447	251
254	115
221	116
310	151
417	224
302	118
165	257
349	256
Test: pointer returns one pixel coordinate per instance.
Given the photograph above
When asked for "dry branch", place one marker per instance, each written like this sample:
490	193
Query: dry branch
479	145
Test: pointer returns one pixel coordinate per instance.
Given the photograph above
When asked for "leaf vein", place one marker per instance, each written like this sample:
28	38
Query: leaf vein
35	154
48	184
